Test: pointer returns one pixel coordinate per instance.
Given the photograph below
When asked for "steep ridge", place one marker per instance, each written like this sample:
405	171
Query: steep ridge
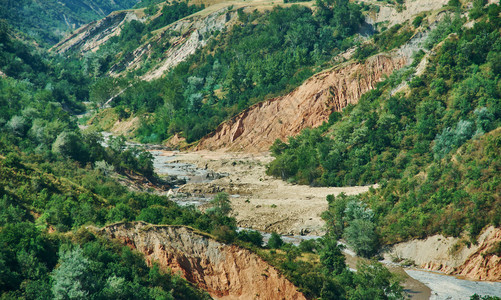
184	37
452	255
91	36
225	271
309	105
195	32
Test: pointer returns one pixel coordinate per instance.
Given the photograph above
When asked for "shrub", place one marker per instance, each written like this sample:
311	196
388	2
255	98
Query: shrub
275	241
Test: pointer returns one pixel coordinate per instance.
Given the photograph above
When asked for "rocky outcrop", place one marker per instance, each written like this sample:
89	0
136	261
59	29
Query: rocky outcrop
390	14
225	271
453	256
91	36
309	105
482	264
176	41
195	31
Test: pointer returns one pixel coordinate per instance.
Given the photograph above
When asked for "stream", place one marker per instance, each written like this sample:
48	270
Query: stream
442	286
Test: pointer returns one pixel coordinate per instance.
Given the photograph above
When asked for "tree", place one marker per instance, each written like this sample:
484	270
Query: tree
220	205
69	144
361	231
18	125
275	241
361	236
374	281
331	257
251	236
71	277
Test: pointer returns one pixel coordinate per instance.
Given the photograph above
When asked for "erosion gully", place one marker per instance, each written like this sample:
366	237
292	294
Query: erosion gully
419	284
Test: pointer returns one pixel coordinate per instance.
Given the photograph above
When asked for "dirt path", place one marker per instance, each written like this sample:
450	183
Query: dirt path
259	201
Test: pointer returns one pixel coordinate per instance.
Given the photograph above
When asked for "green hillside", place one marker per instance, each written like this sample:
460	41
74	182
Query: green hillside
433	148
49	20
277	49
428	135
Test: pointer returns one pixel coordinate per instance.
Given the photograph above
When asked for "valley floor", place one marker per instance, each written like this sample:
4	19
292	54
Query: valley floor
260	201
267	204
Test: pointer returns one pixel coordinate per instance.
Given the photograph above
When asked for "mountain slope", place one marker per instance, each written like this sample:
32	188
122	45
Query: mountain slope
309	106
429	136
225	271
49	20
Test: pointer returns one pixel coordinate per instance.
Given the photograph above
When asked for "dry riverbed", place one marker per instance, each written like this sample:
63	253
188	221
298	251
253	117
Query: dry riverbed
259	201
267	204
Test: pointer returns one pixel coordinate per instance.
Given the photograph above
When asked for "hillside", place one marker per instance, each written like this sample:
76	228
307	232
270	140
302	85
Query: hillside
426	135
310	105
48	21
375	124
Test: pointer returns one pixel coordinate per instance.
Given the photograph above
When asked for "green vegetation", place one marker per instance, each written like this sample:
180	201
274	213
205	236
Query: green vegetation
38	265
220	205
54	178
276	51
389	39
49	20
318	268
433	150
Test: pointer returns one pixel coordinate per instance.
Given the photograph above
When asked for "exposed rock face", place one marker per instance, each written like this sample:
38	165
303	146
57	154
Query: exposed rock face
225	271
309	105
195	32
93	35
483	265
411	8
439	253
191	33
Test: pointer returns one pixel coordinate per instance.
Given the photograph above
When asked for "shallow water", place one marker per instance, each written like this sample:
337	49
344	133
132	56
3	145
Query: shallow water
167	165
442	286
449	287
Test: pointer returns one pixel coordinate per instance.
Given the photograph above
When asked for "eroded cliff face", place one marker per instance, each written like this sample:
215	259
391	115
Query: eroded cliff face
451	256
391	14
195	31
482	264
91	36
225	271
180	39
309	105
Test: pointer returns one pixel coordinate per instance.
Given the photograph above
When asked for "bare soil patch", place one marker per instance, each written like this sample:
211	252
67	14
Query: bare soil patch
260	201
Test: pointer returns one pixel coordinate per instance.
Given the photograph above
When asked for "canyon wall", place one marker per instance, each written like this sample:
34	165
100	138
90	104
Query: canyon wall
195	32
91	36
453	256
225	271
309	105
180	39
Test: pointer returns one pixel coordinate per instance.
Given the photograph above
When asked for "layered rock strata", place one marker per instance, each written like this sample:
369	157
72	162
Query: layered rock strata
256	128
454	255
225	271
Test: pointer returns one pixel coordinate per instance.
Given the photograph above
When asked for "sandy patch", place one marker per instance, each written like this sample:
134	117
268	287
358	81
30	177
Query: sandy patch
259	201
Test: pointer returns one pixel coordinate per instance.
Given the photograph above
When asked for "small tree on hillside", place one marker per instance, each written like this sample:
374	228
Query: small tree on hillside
275	241
220	205
360	234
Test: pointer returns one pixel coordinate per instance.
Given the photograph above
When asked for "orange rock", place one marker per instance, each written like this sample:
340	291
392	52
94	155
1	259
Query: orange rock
309	105
224	271
483	265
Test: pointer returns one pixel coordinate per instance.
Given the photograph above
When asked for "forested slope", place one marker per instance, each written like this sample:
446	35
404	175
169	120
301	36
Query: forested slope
430	139
277	48
49	20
